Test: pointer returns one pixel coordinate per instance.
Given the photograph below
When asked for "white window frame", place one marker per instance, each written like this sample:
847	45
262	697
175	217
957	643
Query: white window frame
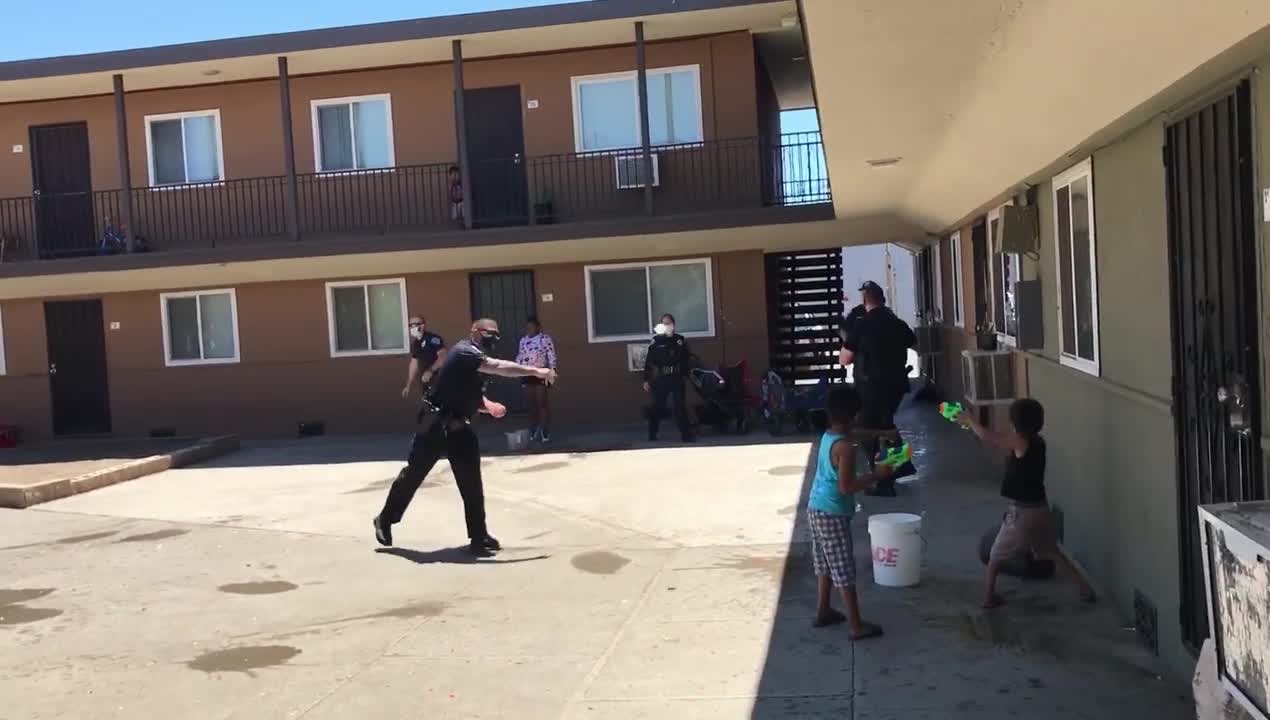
317	133
1083	169
938	289
647	266
198	307
220	149
364	284
4	368
959	299
1002	262
579	80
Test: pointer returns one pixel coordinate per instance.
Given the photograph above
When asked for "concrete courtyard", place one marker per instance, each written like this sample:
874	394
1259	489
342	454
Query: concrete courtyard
668	582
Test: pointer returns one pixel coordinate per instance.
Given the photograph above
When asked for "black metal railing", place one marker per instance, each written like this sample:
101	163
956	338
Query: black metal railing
715	176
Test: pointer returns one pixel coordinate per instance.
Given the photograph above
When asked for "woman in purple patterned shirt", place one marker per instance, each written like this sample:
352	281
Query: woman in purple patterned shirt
537	350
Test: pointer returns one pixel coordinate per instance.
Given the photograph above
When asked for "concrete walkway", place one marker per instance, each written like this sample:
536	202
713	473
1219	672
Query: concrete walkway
636	584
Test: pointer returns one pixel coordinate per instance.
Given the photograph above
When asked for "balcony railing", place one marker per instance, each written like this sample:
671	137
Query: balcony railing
716	176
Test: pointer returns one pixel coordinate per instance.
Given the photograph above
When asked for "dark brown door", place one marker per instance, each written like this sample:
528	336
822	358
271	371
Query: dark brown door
1216	355
496	151
979	252
61	177
508	298
77	367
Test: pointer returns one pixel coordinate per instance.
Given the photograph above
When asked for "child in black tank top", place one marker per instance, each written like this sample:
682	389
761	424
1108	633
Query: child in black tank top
1028	523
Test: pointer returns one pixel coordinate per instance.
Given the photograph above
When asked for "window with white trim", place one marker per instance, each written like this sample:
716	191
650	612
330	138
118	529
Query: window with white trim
1076	253
625	302
367	317
185	148
353	133
606	109
200	327
937	282
958	299
1004	273
3	367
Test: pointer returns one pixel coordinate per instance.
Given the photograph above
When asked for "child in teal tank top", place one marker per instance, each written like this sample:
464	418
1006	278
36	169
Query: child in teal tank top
829	509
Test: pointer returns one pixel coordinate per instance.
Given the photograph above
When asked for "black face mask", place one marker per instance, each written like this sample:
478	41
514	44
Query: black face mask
489	341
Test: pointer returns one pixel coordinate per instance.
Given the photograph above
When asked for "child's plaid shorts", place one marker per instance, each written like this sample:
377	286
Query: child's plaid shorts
831	549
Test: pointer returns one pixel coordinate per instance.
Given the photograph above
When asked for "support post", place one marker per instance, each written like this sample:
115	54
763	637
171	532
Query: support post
460	124
125	163
641	63
288	149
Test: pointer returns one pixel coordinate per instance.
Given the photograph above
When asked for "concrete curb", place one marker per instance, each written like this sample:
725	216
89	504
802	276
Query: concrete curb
24	496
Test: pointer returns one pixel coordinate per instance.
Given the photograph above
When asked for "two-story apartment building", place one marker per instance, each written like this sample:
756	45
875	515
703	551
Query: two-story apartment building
230	235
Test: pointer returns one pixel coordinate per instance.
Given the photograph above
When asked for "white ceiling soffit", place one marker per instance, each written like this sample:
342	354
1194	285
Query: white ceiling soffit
974	96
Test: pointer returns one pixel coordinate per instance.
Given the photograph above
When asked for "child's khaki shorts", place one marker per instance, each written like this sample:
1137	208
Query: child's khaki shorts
1025	527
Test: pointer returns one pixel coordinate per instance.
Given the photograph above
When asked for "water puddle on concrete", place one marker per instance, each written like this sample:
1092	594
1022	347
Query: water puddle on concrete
771	565
12	612
243	659
75	539
542	467
787	510
787	470
599	562
147	537
268	587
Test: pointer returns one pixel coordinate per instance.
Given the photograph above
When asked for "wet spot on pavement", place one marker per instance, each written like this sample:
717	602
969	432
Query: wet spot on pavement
268	587
159	535
599	562
243	659
406	612
13	612
771	565
75	539
542	467
535	536
787	510
786	470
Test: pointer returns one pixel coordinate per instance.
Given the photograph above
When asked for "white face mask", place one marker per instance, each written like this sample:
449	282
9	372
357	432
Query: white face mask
416	332
668	329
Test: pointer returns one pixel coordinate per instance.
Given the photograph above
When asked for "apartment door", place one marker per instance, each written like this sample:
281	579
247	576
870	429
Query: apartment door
1216	355
77	367
507	297
61	179
979	251
496	151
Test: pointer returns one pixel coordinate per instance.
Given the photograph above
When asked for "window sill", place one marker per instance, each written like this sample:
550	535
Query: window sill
213	361
637	150
176	187
368	353
1088	367
643	338
348	173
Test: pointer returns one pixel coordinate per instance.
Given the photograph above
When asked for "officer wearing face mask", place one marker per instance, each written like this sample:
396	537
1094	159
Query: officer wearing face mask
665	369
427	353
455	397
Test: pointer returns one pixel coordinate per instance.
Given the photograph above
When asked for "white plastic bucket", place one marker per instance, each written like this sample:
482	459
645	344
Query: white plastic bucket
896	540
518	440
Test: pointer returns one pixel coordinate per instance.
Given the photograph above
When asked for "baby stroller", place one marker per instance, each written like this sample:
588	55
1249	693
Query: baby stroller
727	404
802	404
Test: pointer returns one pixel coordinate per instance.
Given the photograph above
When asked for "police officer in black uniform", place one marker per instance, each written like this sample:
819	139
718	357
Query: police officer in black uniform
457	395
665	369
427	352
876	342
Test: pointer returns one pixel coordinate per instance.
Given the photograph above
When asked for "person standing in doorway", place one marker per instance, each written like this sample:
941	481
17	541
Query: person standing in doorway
876	345
456	396
537	351
665	370
427	353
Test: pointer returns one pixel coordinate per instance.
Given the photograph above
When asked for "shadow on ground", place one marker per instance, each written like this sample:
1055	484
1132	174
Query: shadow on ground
74	451
453	556
1044	655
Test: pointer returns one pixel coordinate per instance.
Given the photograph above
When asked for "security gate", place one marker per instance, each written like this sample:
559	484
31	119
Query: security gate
507	298
1216	356
804	309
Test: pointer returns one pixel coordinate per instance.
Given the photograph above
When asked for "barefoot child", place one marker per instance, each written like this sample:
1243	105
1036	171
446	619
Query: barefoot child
829	511
1028	521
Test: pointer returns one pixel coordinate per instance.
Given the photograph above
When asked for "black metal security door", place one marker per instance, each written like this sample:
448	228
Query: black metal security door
61	179
804	309
1216	356
508	298
77	367
496	149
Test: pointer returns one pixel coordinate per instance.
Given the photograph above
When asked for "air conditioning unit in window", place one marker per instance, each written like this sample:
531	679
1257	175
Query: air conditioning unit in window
1019	230
987	376
630	171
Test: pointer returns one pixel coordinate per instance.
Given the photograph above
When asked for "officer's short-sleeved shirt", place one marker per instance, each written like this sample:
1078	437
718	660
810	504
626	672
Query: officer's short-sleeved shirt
426	349
459	385
880	341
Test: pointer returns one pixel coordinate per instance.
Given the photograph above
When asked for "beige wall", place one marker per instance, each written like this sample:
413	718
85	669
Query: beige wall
422	104
286	374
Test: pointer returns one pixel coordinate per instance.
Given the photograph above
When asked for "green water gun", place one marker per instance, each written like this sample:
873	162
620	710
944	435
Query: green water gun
894	457
950	411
